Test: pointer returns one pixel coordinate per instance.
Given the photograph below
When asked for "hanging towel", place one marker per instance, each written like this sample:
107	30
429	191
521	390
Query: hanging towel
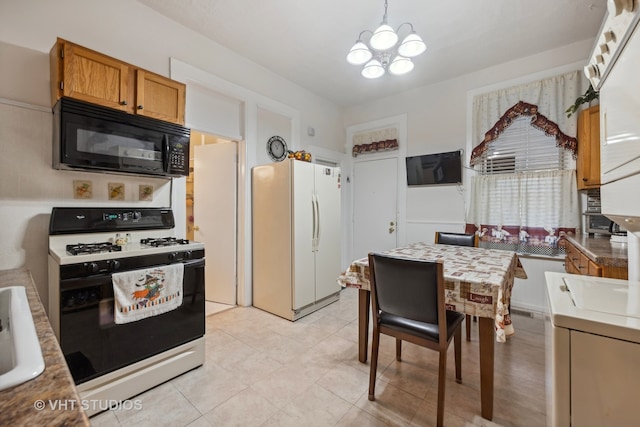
144	293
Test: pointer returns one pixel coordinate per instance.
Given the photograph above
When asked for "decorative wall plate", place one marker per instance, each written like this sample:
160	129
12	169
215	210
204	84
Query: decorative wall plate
277	148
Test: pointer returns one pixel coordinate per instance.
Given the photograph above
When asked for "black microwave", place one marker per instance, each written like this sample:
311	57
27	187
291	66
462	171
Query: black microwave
94	138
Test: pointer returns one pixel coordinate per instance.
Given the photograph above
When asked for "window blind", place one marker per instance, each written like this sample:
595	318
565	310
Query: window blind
523	148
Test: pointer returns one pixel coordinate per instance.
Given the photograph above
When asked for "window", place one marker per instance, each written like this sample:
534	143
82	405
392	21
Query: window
524	196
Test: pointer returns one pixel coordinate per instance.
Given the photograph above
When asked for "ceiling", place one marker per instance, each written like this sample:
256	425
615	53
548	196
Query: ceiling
306	41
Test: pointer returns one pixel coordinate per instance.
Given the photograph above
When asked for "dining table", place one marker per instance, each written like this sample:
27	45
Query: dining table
478	282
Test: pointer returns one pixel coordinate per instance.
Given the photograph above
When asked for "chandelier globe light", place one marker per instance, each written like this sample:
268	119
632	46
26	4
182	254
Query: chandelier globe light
383	53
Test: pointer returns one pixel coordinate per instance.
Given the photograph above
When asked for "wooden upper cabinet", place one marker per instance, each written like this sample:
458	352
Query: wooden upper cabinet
84	74
159	97
588	161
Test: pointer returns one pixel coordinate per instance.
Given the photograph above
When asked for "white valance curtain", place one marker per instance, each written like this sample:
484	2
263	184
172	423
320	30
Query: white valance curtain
552	96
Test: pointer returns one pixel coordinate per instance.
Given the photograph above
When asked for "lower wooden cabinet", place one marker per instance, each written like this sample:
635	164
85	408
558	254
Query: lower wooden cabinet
577	262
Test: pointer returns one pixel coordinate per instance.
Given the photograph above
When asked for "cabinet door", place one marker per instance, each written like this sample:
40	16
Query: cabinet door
588	162
92	77
159	97
604	381
594	269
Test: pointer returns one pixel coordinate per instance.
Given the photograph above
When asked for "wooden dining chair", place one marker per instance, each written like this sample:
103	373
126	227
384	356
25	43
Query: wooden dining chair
459	239
408	303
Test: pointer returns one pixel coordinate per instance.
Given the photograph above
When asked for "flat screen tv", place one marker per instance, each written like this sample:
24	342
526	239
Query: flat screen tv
435	169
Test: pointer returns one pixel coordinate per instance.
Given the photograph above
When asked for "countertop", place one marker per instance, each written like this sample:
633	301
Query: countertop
55	385
600	250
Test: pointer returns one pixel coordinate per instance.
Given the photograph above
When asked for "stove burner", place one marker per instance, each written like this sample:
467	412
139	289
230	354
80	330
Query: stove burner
92	248
163	241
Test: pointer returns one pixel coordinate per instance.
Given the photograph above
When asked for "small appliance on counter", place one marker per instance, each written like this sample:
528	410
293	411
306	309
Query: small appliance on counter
618	234
594	221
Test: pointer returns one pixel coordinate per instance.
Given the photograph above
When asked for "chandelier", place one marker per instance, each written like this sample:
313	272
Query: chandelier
383	53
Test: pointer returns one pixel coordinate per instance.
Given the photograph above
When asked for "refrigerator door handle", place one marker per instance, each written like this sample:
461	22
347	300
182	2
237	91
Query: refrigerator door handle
318	223
315	221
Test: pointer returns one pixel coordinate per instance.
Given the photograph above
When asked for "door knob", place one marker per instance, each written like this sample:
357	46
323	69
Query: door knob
196	228
391	230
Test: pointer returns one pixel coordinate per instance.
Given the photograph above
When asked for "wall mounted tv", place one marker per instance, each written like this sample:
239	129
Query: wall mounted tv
435	169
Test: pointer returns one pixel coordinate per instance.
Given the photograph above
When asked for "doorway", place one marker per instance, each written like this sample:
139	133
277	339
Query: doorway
212	214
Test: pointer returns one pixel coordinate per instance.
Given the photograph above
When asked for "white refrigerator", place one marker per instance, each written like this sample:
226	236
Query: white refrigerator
296	231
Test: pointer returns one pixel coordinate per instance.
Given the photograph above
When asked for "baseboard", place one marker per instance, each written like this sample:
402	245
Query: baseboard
534	314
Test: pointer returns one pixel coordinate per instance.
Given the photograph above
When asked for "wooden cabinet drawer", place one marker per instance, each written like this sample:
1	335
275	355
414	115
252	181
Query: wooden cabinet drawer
577	262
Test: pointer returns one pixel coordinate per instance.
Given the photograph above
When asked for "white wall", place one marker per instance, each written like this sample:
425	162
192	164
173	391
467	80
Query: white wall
129	31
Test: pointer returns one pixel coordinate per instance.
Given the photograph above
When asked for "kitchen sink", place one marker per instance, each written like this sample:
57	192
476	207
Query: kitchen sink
20	353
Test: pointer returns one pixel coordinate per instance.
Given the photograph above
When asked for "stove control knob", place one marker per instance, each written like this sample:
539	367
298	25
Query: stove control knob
188	255
93	267
173	256
115	264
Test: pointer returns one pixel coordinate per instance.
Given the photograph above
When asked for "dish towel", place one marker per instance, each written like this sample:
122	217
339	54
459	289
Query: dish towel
144	293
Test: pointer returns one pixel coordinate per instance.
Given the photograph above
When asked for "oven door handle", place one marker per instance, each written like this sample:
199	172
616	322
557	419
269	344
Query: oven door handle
73	283
194	264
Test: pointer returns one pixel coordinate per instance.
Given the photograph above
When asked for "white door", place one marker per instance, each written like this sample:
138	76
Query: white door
375	206
214	211
328	230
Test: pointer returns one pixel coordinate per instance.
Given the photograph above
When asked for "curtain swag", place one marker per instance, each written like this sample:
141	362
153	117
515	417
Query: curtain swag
538	121
387	145
377	140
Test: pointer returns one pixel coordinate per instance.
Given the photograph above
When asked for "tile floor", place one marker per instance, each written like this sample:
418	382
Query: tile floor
262	370
215	307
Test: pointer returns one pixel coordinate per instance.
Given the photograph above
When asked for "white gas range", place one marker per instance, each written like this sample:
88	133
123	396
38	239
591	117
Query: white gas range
110	360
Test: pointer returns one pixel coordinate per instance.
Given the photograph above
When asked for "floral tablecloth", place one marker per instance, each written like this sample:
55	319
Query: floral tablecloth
477	281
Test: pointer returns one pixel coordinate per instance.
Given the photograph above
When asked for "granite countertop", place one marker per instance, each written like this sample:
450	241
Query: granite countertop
600	250
55	384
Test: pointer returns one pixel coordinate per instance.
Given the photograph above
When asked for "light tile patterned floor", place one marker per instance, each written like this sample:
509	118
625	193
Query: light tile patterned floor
262	370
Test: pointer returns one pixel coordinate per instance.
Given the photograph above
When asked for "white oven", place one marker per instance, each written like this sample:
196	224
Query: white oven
593	351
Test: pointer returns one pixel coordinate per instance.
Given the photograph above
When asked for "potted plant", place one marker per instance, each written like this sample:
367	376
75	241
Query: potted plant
588	96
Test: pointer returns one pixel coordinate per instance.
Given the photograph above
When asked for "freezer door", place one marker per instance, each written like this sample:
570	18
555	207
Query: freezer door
328	230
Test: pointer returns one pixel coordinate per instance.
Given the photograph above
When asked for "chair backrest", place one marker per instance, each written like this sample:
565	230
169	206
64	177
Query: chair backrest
458	239
408	288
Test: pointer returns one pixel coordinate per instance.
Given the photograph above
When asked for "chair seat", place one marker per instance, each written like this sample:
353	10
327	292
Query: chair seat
428	331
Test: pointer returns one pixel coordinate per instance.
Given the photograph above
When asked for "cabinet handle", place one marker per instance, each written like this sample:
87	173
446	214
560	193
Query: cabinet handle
140	107
585	179
124	103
